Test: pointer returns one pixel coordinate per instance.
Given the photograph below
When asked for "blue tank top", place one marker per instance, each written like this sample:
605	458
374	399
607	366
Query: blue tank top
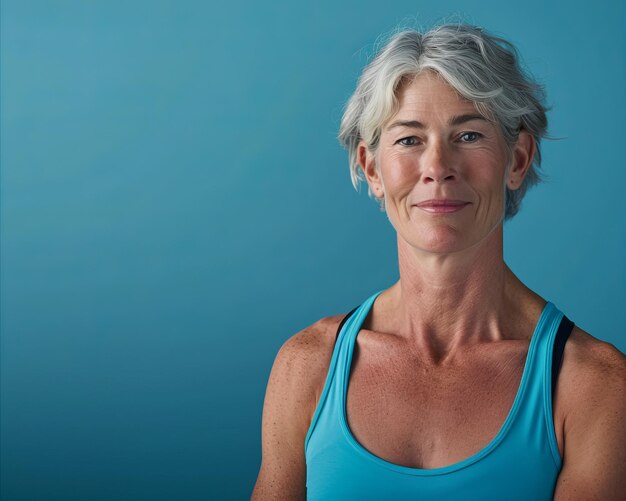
521	462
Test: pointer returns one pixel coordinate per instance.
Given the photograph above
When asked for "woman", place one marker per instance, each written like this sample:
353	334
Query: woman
454	385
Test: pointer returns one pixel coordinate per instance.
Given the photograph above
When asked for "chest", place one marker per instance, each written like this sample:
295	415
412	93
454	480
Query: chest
415	414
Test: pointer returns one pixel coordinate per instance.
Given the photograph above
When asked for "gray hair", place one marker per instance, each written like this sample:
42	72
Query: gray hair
481	67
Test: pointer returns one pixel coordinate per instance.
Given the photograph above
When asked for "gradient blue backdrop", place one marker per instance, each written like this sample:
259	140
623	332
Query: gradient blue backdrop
175	206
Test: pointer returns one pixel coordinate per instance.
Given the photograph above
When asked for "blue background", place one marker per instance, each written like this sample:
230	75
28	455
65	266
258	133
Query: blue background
175	206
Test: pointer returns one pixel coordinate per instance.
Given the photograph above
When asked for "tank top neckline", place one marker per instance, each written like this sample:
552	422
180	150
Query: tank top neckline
353	325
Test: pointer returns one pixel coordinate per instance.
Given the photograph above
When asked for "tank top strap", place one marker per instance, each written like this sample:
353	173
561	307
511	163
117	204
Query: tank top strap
533	407
354	322
330	405
521	462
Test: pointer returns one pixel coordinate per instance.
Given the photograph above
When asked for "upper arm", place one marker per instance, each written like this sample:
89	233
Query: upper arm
594	456
293	389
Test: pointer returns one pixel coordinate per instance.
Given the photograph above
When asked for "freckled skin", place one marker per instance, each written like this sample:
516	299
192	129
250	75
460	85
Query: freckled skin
439	358
473	166
437	414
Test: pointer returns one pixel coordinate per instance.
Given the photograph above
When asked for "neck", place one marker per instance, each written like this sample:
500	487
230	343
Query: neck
444	303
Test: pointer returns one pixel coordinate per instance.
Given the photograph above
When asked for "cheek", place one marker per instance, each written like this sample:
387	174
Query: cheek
490	192
399	176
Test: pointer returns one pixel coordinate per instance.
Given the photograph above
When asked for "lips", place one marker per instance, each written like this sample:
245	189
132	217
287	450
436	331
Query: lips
442	205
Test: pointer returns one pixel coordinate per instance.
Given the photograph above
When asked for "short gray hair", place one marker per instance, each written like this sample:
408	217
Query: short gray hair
483	68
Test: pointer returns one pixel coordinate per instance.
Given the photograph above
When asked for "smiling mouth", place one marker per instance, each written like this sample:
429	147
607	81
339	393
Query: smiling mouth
442	206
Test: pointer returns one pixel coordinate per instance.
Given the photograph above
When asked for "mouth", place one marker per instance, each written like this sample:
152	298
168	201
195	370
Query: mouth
442	206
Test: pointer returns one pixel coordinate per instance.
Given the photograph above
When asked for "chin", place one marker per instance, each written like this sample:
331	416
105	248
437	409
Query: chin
443	240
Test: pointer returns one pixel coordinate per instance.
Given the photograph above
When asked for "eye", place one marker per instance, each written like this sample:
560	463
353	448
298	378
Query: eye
408	141
469	137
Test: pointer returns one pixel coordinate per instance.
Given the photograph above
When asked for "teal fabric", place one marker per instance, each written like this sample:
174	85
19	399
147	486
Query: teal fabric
521	462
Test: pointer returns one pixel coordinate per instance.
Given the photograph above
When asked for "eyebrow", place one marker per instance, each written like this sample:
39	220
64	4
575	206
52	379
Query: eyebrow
456	120
461	119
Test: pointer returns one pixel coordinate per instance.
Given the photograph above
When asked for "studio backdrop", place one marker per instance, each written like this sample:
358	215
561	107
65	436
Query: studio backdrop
175	205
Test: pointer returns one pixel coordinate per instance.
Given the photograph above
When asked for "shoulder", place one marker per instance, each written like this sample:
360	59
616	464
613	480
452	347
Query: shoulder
295	384
591	392
317	337
591	387
302	363
592	365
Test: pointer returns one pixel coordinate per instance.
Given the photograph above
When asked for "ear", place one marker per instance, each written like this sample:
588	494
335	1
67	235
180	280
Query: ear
522	159
367	162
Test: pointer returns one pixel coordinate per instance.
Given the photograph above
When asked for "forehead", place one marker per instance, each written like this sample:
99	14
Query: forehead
429	94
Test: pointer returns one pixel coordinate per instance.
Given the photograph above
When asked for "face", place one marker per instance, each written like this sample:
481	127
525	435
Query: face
443	168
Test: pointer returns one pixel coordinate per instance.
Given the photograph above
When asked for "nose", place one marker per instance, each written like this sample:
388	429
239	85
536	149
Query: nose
438	163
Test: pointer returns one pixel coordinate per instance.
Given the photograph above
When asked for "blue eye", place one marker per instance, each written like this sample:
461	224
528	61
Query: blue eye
407	141
469	137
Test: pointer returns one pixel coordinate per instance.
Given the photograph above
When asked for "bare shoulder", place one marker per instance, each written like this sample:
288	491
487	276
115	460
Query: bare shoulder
293	389
305	357
590	364
592	390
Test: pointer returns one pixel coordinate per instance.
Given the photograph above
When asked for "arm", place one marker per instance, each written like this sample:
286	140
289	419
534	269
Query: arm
594	456
294	387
